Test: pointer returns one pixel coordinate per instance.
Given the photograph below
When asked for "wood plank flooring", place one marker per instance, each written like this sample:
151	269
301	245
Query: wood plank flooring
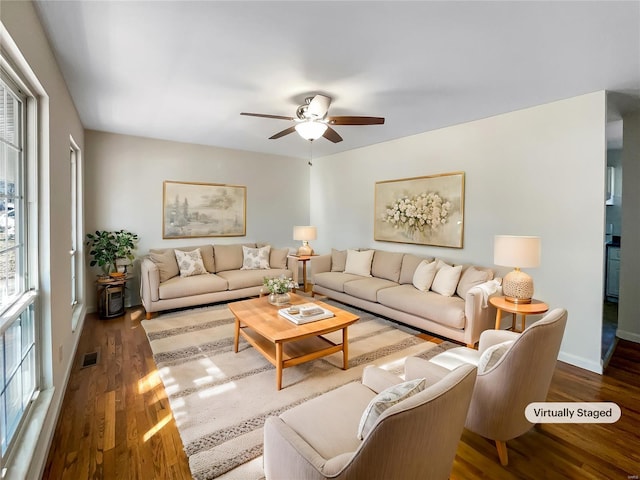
116	422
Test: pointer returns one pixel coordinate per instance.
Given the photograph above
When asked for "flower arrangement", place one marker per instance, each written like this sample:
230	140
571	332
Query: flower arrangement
279	284
424	211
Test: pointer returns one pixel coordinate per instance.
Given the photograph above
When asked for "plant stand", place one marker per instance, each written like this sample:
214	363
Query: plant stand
111	295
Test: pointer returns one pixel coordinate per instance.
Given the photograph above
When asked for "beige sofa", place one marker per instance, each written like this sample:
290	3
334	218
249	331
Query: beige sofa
457	308
163	287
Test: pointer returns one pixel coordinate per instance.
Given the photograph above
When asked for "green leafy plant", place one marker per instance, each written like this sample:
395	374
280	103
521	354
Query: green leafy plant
107	247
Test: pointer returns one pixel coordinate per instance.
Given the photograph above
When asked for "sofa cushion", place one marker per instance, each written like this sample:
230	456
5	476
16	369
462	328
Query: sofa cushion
386	399
255	258
469	279
338	260
334	280
166	262
446	280
250	278
190	263
359	263
424	275
448	311
228	257
387	265
409	264
278	258
367	288
178	287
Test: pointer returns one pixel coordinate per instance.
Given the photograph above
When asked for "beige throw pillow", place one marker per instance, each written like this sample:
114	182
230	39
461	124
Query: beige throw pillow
255	258
166	262
446	280
386	399
278	257
359	263
190	263
424	275
338	260
469	279
492	354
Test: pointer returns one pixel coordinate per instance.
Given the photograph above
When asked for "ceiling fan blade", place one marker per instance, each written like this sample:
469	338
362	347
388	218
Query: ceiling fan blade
319	106
264	115
355	120
284	132
331	135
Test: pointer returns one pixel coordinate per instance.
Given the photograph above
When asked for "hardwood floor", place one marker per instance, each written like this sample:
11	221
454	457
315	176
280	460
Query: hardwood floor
116	421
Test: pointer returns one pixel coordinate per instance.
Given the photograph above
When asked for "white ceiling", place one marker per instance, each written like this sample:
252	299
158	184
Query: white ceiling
182	70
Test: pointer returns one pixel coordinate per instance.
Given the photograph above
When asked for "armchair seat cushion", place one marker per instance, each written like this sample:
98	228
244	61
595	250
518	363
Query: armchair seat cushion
329	423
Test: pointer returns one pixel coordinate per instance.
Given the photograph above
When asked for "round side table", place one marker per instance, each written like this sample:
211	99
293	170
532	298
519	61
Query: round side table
536	307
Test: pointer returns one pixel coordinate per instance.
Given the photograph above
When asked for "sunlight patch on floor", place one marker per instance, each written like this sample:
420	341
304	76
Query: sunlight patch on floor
156	428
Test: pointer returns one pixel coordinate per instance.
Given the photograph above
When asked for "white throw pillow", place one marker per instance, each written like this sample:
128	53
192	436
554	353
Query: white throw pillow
424	275
359	263
492	354
385	399
446	280
190	263
255	258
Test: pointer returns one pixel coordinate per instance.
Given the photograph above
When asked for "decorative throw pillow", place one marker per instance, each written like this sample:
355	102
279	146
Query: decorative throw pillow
386	399
469	279
190	263
278	258
255	258
359	263
338	260
165	260
446	280
492	354
424	275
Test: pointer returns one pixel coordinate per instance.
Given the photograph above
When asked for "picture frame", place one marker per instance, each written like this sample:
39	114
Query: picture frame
425	210
192	210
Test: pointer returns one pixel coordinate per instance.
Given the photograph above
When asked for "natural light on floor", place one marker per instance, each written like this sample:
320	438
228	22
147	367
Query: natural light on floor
212	392
157	427
149	382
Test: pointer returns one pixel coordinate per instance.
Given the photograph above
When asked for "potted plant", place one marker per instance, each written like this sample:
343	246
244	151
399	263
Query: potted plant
107	247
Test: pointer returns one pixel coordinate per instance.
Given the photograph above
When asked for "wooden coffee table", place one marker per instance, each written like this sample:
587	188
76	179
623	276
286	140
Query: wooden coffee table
283	343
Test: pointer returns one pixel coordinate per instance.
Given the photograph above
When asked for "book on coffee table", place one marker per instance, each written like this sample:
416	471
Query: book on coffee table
308	312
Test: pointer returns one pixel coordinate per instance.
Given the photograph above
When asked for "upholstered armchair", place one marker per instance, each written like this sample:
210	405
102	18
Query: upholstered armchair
415	438
513	370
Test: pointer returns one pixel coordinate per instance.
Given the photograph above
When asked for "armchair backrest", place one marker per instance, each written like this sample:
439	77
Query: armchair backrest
521	376
418	437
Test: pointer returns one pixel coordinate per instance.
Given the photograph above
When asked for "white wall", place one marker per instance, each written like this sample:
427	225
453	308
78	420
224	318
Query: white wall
538	171
628	306
58	120
124	181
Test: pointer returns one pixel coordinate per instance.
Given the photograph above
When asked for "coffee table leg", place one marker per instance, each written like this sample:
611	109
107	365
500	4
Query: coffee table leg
236	338
345	349
279	365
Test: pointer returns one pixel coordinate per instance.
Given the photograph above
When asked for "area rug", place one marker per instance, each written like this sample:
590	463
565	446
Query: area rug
220	399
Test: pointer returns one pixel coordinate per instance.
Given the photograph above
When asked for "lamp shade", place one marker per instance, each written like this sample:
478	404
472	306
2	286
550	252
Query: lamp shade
305	233
514	251
311	130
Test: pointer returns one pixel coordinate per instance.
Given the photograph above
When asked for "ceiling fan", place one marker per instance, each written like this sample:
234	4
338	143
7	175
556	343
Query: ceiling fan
312	120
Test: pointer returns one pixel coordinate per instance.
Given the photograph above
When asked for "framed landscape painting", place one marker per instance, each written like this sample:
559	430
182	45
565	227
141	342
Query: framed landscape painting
203	210
422	210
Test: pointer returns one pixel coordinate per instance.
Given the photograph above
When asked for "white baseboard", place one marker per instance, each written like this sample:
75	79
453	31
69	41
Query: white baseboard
625	335
581	362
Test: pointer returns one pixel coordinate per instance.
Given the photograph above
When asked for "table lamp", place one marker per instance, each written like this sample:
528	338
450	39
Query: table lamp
305	233
517	252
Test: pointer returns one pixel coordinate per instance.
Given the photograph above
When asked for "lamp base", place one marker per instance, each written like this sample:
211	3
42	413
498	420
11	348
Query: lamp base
305	250
517	287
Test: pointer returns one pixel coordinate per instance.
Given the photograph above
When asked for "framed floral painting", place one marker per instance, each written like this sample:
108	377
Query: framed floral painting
422	210
203	210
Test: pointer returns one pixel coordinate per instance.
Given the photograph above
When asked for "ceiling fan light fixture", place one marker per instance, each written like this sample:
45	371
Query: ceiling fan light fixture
311	130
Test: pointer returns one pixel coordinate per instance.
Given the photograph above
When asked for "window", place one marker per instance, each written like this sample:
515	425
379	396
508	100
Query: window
19	349
75	159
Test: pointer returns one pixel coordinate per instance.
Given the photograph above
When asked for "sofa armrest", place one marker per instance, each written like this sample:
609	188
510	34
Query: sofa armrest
494	337
293	264
149	282
480	314
378	379
320	264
